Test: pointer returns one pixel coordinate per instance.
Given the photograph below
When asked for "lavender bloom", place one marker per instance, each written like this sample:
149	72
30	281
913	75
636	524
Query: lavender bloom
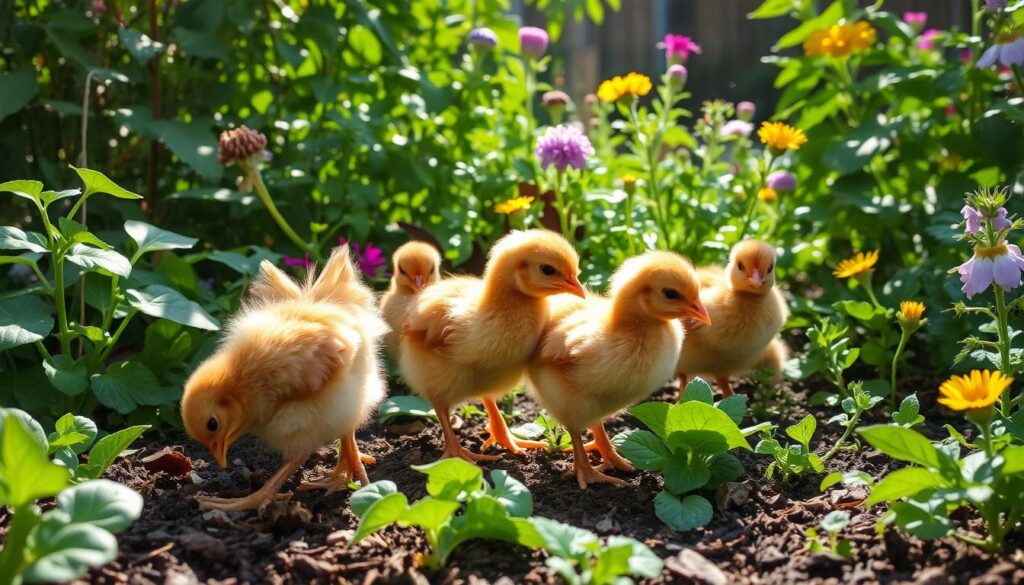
745	111
1001	265
737	129
1008	52
973	218
677	75
483	37
993	5
782	181
564	146
534	41
1000	221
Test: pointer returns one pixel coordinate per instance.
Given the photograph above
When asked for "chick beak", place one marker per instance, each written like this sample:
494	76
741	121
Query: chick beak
697	312
419	282
755	279
572	286
220	453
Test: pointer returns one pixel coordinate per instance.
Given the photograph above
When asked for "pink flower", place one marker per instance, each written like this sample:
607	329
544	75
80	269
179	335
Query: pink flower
736	128
745	111
1001	265
368	260
533	41
1000	221
916	20
927	40
564	146
972	219
305	263
678	48
677	75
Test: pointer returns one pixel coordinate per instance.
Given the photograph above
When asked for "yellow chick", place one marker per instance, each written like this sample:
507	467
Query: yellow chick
747	312
600	355
468	337
417	265
298	368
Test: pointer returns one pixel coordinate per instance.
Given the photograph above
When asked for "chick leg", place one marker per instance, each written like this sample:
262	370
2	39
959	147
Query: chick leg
259	498
452	448
498	433
585	473
723	383
349	468
610	458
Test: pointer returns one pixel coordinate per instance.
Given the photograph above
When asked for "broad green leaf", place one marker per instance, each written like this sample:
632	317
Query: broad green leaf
803	431
511	493
94	258
452	479
101	503
399	406
904	483
365	44
48	197
139	45
66	375
381	513
193	142
1014	457
563	540
97	182
76	233
724	467
611	562
685	514
12	238
19	89
735	406
644	450
835	521
126	385
486	518
683	476
642	560
703	428
150	238
772	9
367	495
24	319
920	522
25	473
157	300
63	552
698	390
27	189
903	444
909	413
429	513
35	430
654	415
107	449
849	478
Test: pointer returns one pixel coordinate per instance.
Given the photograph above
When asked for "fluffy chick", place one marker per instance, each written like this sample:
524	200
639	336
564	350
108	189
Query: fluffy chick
417	265
600	355
469	337
747	312
298	368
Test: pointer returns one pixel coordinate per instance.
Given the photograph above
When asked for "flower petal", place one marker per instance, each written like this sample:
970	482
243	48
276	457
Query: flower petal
1006	272
988	58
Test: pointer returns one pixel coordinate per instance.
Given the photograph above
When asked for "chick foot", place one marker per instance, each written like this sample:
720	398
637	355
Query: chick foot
610	458
258	499
452	448
585	472
349	468
499	434
723	383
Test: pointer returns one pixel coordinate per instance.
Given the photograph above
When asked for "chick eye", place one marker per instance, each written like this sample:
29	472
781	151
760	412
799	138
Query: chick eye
671	294
770	268
212	424
402	271
741	267
547	270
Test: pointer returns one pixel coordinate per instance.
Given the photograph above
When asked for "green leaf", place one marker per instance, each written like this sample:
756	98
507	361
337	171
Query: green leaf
563	540
642	560
855	150
48	197
25	473
486	518
381	513
920	522
909	412
848	478
365	44
683	476
24	319
19	89
735	406
703	428
12	238
35	430
157	300
772	9
368	495
835	521
828	17
452	479
511	493
126	385
101	503
26	189
399	406
107	449
63	552
150	238
193	142
430	513
644	450
691	512
66	375
902	444
1014	457
76	233
698	390
97	182
654	415
139	45
803	431
94	258
724	467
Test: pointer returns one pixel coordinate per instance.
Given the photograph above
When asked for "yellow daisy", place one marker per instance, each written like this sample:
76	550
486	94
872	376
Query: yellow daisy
780	137
911	310
833	41
513	205
861	36
629	87
853	267
767	194
978	390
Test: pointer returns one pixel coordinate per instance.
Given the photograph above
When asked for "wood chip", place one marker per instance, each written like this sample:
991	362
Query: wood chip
690	564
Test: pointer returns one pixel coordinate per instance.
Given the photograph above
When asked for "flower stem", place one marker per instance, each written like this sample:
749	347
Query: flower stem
749	216
846	435
1005	401
629	224
62	311
264	195
895	363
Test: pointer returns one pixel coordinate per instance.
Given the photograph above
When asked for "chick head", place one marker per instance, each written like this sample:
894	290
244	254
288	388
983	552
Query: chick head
209	409
539	263
752	267
416	265
664	284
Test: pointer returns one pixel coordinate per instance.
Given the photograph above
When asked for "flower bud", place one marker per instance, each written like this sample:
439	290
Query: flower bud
239	145
556	101
533	41
782	181
677	76
629	184
745	111
482	38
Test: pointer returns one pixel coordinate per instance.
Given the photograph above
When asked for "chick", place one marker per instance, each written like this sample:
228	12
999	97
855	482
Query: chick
298	368
600	355
417	265
747	313
469	337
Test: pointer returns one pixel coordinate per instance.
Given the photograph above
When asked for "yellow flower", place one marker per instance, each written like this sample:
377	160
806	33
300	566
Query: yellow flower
911	310
629	183
861	35
853	267
780	137
979	390
767	194
513	205
630	86
840	40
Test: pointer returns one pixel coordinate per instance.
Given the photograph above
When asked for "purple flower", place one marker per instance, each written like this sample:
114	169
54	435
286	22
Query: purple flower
1006	52
1000	221
736	128
305	263
533	41
926	42
678	48
1001	264
782	181
677	75
973	218
564	146
483	37
370	260
993	5
745	111
916	20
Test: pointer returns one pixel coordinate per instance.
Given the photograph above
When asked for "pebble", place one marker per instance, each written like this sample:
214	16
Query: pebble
690	564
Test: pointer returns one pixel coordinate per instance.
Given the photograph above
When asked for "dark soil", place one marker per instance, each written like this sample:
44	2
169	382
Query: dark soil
760	539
